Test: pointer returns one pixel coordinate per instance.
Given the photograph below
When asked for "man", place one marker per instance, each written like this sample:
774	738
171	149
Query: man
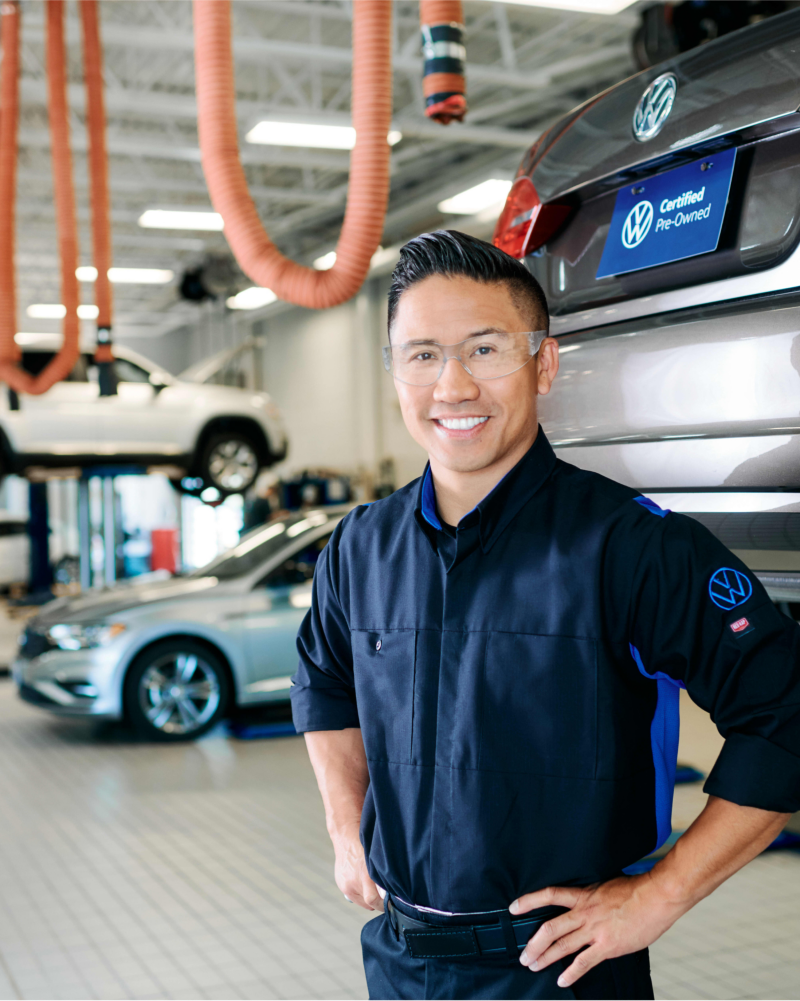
489	677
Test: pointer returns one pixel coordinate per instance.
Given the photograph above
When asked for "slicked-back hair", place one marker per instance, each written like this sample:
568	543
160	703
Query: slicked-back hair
451	254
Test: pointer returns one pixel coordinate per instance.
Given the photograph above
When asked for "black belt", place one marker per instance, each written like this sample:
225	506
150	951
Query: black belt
507	935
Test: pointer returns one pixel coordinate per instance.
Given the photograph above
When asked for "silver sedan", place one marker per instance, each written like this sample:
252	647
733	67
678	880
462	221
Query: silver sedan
174	656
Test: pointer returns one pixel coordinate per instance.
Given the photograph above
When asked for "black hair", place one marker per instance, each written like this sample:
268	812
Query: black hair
449	253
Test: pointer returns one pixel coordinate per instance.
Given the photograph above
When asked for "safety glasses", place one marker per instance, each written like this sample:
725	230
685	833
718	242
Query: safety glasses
483	356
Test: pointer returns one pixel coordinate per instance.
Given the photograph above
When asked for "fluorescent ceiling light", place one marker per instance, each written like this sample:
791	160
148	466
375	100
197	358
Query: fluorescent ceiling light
482	196
271	133
581	6
24	337
57	311
384	255
180	219
46	311
326	262
251	298
127	276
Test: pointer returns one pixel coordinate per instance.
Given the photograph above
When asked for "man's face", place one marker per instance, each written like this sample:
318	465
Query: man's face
448	310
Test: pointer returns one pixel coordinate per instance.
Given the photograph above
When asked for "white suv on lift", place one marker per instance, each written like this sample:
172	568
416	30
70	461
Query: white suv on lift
217	436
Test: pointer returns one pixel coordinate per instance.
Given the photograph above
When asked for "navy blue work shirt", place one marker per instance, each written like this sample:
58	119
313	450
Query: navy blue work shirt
516	682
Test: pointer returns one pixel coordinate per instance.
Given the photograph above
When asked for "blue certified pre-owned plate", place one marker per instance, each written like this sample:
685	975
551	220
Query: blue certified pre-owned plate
669	217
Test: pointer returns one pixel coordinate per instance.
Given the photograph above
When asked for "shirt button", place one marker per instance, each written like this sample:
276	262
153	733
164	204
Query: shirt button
378	645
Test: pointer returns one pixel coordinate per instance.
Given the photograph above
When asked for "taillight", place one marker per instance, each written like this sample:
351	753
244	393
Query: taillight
525	224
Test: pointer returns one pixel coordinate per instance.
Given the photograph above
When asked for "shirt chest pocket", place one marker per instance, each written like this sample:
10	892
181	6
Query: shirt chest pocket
540	705
384	664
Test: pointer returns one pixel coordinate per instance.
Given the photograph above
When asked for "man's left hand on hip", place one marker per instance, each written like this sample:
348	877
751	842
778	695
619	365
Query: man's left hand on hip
612	919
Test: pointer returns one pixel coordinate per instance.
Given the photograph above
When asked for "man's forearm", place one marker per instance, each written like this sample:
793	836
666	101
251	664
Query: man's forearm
722	839
340	764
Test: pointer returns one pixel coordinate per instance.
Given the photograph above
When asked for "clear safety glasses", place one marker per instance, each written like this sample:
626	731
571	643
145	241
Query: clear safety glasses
484	356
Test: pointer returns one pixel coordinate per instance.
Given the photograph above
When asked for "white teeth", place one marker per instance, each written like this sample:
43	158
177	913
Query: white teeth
462	423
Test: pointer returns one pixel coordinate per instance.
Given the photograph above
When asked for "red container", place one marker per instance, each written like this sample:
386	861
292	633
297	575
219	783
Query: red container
165	551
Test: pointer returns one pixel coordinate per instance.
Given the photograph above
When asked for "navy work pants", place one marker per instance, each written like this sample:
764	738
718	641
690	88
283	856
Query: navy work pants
393	973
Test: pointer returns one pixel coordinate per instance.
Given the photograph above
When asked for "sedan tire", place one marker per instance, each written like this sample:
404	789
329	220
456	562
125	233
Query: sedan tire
176	690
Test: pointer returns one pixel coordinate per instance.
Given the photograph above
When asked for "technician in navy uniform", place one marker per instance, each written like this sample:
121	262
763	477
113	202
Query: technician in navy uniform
489	677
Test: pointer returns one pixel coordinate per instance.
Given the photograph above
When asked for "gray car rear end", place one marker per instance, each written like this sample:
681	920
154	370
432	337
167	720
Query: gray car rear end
684	379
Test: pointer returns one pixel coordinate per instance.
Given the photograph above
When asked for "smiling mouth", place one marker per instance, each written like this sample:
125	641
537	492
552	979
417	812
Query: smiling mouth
460	423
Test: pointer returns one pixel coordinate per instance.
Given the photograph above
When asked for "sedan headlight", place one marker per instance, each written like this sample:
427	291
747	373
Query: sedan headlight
75	637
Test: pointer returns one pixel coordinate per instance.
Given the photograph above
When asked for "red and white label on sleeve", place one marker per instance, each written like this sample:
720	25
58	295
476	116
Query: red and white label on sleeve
741	626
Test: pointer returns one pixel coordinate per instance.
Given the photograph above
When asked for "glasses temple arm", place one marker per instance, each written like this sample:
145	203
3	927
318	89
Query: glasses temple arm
535	338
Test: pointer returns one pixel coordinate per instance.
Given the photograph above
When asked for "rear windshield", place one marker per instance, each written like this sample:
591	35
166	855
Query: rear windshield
256	547
761	228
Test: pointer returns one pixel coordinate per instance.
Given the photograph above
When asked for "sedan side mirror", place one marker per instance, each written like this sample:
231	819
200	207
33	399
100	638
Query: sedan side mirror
157	382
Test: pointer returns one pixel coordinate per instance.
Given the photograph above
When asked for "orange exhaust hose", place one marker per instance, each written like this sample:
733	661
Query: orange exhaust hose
368	188
9	116
64	198
98	170
443	81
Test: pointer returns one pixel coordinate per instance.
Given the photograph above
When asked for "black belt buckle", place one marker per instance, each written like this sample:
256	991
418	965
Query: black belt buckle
444	943
427	941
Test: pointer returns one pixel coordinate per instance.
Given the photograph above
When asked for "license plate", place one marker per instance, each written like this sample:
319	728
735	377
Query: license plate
670	217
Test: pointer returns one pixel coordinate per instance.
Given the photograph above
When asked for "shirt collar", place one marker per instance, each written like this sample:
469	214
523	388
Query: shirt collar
427	504
499	507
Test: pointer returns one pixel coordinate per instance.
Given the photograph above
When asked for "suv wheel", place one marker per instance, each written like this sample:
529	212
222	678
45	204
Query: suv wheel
176	690
230	463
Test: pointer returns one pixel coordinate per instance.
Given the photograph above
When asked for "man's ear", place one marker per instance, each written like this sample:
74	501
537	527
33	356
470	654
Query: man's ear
546	365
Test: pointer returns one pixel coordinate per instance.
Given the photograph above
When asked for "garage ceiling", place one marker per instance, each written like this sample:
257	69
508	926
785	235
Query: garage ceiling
526	66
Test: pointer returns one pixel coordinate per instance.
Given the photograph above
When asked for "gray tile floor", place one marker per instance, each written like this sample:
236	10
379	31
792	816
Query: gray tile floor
187	871
204	871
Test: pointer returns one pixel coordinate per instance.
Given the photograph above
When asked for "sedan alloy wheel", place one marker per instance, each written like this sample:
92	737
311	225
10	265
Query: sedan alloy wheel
176	692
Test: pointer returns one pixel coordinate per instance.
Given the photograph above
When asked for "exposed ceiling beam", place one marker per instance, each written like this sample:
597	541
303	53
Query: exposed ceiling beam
146	186
154	147
155	239
45	210
170	106
259	49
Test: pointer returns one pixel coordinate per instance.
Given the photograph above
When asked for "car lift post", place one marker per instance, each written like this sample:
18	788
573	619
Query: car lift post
109	520
39	533
109	531
84	533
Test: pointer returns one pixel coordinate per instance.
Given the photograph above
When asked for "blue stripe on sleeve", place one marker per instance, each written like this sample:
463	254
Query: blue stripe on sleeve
651	506
664	732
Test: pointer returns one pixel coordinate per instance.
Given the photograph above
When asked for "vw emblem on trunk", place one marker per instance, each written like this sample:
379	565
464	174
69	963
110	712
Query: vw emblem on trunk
637	224
654	107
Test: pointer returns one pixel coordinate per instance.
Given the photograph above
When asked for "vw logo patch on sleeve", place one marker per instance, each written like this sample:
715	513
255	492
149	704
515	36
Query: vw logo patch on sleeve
729	588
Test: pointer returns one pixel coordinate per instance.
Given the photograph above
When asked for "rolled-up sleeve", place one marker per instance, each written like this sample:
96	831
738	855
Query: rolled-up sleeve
323	692
700	617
